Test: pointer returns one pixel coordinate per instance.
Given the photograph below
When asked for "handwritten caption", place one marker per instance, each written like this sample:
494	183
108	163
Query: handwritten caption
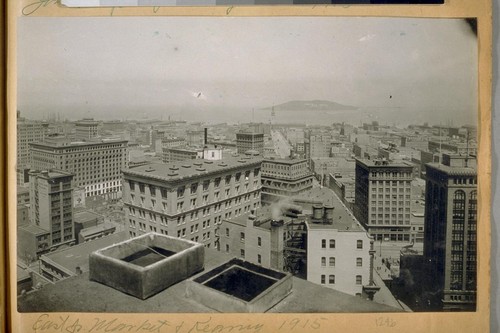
73	324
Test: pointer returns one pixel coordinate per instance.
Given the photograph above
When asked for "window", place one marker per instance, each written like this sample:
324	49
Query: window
259	258
227	247
323	279
332	243
359	244
323	261
259	241
359	262
242	236
331	261
359	279
227	232
331	279
323	243
242	253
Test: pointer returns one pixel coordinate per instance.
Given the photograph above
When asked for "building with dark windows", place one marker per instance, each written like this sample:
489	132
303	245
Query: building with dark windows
51	214
189	199
249	141
383	199
86	129
450	230
282	178
96	164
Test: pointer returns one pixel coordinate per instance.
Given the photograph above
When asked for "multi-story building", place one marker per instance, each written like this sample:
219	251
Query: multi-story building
450	230
249	141
180	154
96	165
169	142
338	249
86	129
383	199
283	178
255	237
191	198
28	132
51	200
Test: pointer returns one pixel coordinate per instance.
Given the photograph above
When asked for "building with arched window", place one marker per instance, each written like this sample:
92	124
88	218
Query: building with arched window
450	230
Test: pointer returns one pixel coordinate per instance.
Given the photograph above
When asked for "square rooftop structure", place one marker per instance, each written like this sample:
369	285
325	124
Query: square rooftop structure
240	286
145	265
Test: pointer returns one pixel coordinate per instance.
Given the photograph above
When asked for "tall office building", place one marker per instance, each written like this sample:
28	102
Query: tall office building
28	132
51	200
282	178
249	141
189	199
86	129
383	198
96	164
450	230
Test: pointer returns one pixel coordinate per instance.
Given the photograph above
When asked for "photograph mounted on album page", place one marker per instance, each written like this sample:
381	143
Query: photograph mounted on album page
228	168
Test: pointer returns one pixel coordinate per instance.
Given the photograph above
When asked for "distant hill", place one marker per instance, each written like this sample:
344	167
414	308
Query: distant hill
314	105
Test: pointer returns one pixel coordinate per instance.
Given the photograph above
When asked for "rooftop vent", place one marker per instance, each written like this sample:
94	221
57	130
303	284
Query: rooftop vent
187	166
173	167
198	163
201	169
152	261
223	164
240	286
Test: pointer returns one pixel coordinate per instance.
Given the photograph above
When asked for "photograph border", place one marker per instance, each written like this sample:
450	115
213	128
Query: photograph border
478	321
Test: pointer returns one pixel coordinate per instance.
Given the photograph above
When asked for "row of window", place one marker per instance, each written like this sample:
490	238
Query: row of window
331	279
331	262
331	243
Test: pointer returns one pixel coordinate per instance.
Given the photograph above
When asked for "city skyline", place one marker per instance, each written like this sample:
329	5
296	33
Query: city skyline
216	69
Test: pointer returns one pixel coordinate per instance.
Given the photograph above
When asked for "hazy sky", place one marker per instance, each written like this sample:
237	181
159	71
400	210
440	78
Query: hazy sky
132	67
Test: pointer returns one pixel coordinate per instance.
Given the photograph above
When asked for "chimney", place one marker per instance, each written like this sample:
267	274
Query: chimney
205	141
329	213
317	212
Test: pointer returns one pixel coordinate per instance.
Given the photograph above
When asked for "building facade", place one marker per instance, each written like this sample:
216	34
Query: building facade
450	231
283	178
86	129
96	165
51	200
249	141
338	248
190	199
383	199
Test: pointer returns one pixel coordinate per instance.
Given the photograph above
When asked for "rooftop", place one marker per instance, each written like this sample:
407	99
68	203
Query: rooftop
51	174
85	216
288	161
190	168
63	142
34	229
453	171
383	164
79	294
342	218
97	229
78	255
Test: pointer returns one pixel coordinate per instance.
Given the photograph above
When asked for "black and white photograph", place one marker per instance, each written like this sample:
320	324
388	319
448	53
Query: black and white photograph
247	164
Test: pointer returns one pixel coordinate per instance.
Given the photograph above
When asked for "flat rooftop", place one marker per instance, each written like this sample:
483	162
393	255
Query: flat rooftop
453	171
79	294
78	255
85	216
190	168
384	164
97	229
343	219
34	229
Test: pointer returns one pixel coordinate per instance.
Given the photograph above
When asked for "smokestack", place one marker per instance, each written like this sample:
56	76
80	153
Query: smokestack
329	213
205	141
317	212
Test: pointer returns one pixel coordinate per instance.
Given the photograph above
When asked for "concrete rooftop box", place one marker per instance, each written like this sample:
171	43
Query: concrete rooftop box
145	265
240	286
